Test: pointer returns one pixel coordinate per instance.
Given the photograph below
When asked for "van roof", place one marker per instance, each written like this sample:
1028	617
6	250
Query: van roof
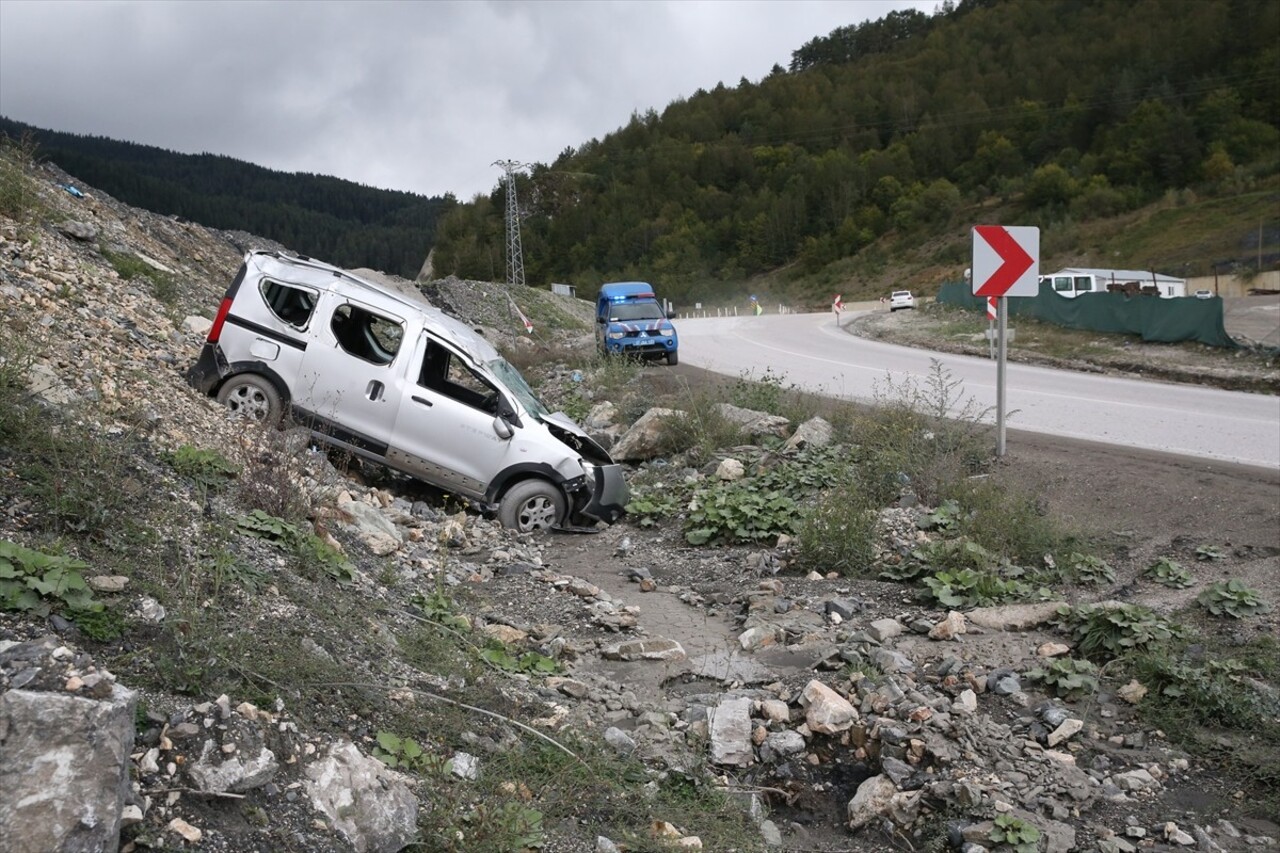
304	270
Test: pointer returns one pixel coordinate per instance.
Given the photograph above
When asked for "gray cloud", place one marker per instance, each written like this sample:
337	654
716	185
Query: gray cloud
419	96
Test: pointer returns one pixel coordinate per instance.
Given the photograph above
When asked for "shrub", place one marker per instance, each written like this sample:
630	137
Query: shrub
19	196
1008	522
83	483
207	468
1086	568
33	582
969	588
767	503
740	512
840	533
1109	632
652	502
1232	598
1170	573
1067	677
926	439
699	432
1015	832
309	549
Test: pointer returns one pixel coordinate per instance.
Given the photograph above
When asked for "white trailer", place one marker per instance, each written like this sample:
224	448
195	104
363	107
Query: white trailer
1075	281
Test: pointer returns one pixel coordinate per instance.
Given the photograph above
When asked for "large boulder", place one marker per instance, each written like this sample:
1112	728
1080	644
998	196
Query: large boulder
826	711
369	803
873	799
644	439
730	728
753	423
815	432
64	752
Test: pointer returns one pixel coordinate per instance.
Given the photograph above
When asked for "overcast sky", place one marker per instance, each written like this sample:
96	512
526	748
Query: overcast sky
418	96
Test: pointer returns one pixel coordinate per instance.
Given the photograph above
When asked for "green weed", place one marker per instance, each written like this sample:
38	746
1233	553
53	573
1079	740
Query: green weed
1232	598
1008	522
1067	677
19	196
1170	573
1016	833
309	549
207	468
970	588
35	582
841	531
1105	633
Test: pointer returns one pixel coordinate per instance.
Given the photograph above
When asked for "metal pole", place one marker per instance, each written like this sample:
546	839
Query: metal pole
1003	313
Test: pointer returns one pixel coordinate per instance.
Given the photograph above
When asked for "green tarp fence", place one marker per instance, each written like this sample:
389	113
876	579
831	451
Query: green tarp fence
1155	319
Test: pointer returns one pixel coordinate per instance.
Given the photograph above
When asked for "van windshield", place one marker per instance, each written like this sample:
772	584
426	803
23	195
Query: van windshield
635	311
511	378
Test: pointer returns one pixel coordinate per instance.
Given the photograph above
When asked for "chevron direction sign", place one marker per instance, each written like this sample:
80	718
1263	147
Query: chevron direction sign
1006	260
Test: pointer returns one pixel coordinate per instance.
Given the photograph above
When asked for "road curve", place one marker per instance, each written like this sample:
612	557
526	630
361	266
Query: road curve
813	353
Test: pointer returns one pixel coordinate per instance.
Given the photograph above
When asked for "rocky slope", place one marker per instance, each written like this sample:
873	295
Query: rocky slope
837	715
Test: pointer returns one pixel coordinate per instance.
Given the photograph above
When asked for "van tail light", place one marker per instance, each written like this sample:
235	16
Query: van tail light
215	331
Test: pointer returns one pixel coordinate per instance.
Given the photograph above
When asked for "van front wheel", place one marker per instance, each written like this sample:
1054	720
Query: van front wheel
253	397
673	358
531	505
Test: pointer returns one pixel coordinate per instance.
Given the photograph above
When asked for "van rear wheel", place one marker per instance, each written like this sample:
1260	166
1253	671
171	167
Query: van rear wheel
253	397
531	505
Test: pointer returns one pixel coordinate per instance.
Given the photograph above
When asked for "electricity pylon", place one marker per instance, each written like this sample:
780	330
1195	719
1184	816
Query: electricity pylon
515	258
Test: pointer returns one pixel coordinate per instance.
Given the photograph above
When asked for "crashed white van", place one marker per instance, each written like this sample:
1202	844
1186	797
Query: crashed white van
388	377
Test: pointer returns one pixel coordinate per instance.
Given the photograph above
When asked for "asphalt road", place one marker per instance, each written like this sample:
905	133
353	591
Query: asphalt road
810	351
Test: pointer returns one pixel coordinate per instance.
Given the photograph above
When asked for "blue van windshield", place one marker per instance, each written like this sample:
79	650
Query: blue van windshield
635	311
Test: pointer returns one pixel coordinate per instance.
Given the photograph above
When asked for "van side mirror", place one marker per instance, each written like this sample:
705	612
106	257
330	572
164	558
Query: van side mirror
502	428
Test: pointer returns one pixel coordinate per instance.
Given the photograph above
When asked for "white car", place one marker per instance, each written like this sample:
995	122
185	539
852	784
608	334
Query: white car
1204	294
901	299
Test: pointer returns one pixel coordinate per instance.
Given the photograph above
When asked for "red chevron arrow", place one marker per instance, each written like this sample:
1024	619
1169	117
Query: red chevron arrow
1015	259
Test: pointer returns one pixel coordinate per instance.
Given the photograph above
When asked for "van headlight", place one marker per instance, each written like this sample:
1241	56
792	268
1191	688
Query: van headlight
617	336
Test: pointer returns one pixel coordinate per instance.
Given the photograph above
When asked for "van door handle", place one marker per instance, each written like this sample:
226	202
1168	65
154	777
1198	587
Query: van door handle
374	391
421	400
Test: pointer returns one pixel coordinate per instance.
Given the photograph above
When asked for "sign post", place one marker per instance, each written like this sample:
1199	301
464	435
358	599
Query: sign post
993	312
1006	262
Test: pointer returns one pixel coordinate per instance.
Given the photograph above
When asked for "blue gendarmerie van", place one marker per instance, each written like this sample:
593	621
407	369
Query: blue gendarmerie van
630	321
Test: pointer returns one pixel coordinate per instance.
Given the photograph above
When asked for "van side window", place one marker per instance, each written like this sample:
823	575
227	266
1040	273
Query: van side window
448	375
367	335
291	304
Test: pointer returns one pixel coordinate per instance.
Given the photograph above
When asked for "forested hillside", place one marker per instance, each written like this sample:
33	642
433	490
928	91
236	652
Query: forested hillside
1138	134
345	223
886	141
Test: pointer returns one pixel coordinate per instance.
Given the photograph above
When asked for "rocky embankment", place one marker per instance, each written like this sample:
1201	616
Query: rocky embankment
841	715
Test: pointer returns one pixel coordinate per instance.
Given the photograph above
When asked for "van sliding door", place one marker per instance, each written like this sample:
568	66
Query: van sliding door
351	376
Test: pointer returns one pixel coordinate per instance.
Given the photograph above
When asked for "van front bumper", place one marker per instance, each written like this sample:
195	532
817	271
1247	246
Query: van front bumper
609	494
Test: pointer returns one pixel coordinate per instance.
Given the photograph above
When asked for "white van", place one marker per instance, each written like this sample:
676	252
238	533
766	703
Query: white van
395	380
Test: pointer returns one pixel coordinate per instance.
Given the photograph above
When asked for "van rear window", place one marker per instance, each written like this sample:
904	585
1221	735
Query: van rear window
293	305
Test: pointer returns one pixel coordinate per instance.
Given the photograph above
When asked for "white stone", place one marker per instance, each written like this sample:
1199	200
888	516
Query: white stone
872	799
1069	728
826	711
